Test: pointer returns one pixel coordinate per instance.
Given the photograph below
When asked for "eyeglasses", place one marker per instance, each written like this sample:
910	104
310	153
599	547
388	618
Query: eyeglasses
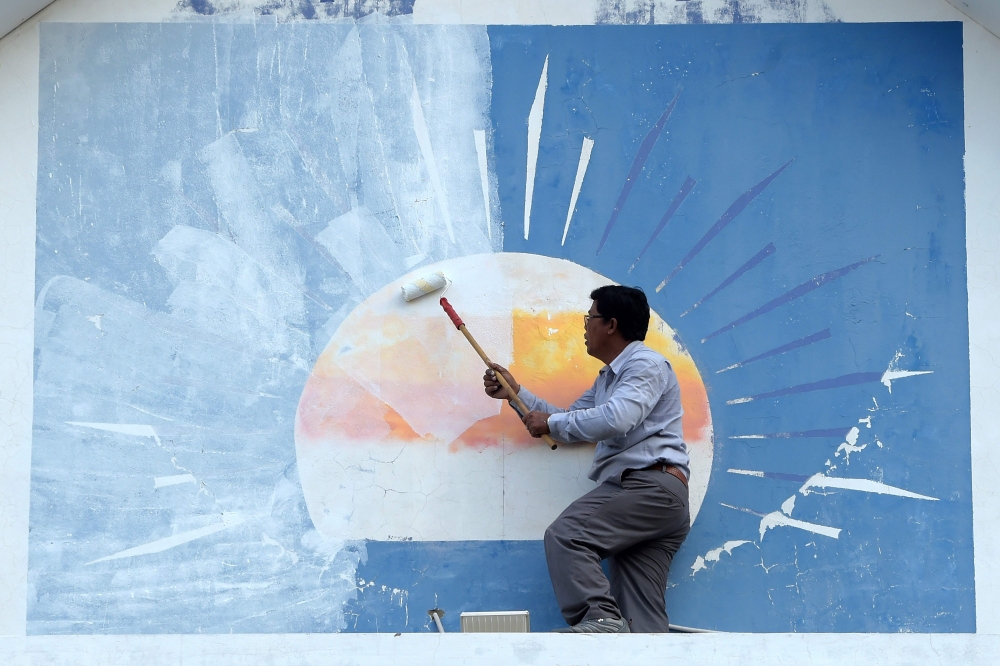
588	317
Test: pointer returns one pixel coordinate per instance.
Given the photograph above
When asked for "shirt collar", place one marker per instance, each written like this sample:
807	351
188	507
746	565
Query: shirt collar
625	355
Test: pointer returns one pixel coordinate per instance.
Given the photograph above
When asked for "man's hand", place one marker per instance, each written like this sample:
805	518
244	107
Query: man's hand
537	423
492	385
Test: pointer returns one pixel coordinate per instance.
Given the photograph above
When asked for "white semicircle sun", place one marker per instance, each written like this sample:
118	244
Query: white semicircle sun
395	438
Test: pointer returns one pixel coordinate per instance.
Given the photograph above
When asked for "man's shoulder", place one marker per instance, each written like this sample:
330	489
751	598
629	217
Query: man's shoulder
643	356
644	352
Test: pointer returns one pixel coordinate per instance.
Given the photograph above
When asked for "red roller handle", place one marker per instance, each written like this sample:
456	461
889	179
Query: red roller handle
455	319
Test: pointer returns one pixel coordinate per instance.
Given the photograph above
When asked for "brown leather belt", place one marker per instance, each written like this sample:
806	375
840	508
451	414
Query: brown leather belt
669	469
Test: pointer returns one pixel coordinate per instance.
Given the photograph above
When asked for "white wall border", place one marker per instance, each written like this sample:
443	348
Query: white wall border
18	160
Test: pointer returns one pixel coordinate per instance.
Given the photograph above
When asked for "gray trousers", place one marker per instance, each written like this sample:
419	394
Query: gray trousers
637	526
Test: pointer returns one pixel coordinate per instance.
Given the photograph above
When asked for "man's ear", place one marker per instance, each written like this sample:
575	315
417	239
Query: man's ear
612	326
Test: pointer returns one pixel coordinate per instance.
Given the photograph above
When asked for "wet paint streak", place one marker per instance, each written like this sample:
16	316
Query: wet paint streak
827	432
640	160
834	382
801	342
735	209
754	261
787	297
674	205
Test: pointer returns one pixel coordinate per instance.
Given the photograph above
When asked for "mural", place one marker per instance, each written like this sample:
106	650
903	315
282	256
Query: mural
391	391
240	426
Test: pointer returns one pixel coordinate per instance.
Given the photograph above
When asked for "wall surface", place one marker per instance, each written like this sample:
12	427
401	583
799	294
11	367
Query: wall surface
210	270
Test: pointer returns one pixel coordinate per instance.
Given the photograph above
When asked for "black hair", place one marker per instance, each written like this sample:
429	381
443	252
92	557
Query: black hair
626	304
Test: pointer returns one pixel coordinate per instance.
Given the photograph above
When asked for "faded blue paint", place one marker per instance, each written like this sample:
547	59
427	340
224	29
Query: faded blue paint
795	344
871	115
641	155
648	12
456	576
734	209
682	193
300	9
792	295
752	262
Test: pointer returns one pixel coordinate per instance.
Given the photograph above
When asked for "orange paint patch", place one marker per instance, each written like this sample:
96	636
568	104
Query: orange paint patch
338	407
549	357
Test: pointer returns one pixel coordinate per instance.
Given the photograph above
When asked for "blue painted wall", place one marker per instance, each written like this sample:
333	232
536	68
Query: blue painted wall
870	119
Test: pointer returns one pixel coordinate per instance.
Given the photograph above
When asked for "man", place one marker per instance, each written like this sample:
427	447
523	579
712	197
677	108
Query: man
637	517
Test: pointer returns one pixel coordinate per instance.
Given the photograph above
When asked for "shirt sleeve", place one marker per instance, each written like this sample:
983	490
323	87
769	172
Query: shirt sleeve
534	403
631	400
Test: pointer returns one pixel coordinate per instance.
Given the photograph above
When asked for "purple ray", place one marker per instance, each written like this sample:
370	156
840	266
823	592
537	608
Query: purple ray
754	260
640	160
742	202
835	382
801	342
674	205
798	292
827	432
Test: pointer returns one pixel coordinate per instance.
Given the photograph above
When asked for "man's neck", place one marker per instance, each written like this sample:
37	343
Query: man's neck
614	349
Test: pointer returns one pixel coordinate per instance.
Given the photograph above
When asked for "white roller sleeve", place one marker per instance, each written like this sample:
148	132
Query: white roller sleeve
424	285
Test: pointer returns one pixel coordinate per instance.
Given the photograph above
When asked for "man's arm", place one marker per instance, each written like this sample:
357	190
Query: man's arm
536	404
536	420
539	410
631	401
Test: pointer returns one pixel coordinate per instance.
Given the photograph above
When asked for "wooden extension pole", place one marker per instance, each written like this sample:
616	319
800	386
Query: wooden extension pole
460	325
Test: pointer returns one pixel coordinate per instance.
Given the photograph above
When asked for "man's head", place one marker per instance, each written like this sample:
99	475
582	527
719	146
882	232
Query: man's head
618	316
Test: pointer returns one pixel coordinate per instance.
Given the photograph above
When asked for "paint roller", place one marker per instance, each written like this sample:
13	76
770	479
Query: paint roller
430	283
424	285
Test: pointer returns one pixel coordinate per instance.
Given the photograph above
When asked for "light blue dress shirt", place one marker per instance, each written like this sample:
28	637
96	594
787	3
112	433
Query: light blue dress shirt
633	411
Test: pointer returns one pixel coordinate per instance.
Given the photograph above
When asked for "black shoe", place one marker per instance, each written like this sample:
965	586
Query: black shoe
604	625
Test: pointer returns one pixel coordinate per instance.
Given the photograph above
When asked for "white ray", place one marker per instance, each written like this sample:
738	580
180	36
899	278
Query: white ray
139	430
160	545
424	140
162	481
893	372
862	485
747	472
740	508
484	178
892	375
779	519
581	171
534	138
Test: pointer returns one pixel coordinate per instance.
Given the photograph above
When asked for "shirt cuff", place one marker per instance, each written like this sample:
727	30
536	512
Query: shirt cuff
557	425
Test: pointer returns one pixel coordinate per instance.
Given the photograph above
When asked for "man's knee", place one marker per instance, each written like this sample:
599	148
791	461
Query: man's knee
553	534
549	536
